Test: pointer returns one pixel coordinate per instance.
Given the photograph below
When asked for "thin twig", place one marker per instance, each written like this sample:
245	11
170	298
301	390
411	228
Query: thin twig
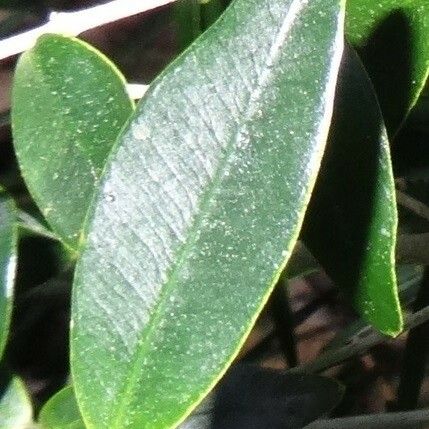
75	23
136	90
417	207
413	249
360	344
418	419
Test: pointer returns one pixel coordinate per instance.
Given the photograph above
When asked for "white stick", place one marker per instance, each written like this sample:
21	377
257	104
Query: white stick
75	23
136	90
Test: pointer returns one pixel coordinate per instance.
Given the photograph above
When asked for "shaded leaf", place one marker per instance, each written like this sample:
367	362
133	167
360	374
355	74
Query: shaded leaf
255	398
247	397
69	103
27	5
392	37
188	21
61	412
15	406
351	224
199	209
210	11
8	259
252	397
411	154
409	280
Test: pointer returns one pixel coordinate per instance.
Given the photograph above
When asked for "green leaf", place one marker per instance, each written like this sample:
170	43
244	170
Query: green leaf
210	11
267	398
69	104
15	407
351	222
188	21
409	279
392	37
61	412
199	209
8	258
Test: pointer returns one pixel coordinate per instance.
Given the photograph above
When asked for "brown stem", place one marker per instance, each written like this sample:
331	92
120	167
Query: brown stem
412	204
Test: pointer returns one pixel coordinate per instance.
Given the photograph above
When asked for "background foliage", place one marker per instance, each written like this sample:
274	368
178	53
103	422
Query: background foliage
184	228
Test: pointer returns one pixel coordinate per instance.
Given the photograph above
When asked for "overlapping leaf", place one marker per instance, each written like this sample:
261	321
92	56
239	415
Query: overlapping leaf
199	209
248	393
351	223
15	407
8	257
61	412
69	103
392	37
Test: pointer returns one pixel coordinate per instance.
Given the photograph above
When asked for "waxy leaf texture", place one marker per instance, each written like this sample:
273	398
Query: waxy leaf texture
351	223
15	406
69	104
199	209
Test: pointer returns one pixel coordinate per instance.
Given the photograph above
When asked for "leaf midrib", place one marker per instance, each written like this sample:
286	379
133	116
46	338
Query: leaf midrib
253	97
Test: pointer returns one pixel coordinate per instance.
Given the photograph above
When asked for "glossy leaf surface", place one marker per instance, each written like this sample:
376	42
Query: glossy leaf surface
199	209
392	37
351	224
8	258
69	103
15	407
61	412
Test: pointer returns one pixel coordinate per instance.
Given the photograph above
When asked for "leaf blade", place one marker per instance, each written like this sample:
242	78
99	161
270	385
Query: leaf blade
8	260
392	40
189	207
69	104
15	406
61	411
353	207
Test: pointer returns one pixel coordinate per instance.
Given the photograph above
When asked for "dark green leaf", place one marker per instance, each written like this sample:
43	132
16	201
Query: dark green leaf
210	11
15	407
61	412
8	256
251	397
27	5
248	397
409	279
188	21
199	209
351	223
69	103
392	37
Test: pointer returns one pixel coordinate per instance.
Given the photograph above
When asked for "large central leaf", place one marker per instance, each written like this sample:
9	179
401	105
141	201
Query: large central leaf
198	211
